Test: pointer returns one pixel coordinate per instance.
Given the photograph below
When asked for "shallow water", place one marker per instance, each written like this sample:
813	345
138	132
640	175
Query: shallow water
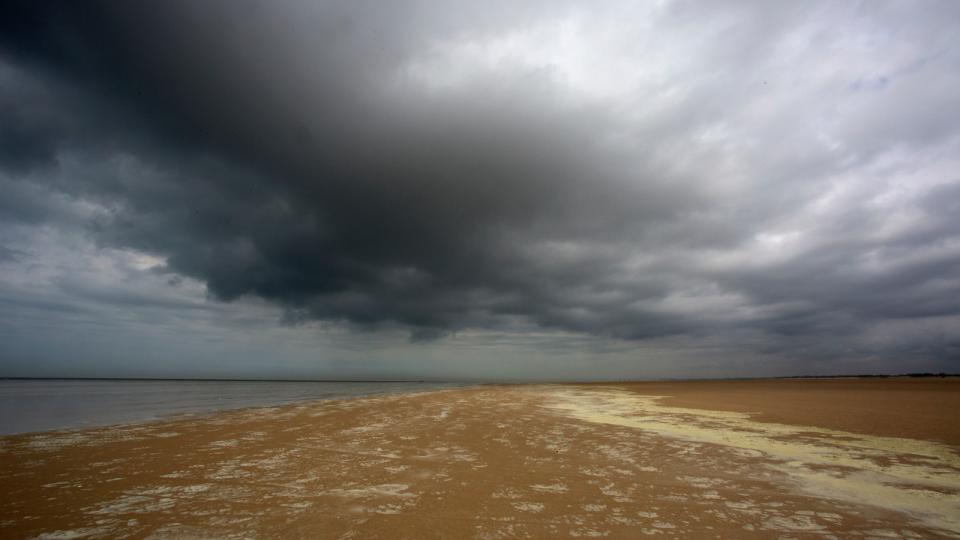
43	405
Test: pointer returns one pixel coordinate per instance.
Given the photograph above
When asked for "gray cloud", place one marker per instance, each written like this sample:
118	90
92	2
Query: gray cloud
631	173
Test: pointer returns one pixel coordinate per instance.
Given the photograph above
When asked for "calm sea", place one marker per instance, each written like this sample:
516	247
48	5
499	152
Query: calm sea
42	405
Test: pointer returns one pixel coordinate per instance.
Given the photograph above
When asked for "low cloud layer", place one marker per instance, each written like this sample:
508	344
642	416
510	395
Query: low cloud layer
782	179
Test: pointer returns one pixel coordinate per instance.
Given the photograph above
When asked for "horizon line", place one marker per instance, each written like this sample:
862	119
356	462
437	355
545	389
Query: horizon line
483	381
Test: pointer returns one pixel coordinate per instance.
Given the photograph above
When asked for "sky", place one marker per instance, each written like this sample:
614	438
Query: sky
479	190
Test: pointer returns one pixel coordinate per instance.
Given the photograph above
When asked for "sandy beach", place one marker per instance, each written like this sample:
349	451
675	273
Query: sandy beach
744	459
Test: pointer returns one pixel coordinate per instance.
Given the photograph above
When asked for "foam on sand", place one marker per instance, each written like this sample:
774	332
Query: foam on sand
907	475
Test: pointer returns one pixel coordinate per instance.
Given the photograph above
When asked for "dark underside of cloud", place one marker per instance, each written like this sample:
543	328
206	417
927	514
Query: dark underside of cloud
299	154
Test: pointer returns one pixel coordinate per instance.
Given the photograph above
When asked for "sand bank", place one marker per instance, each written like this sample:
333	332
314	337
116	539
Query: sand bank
917	408
486	462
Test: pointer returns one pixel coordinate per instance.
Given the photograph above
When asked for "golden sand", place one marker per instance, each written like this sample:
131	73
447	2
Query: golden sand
915	408
484	462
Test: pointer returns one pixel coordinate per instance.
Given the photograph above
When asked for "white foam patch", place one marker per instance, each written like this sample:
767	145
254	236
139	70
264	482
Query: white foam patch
549	488
588	533
71	534
134	504
797	523
57	441
232	443
533	507
380	490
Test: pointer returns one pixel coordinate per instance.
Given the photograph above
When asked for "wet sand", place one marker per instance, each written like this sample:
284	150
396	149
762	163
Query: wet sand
615	461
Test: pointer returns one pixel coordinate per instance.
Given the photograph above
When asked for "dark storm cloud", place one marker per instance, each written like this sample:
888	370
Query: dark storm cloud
301	153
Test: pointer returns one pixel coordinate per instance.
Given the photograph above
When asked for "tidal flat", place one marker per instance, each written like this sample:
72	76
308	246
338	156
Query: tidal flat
722	459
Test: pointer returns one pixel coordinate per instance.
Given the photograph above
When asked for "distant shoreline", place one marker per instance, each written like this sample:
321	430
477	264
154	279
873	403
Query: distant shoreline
471	381
166	379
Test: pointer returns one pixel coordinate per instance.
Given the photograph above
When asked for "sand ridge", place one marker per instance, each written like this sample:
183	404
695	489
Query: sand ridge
904	407
486	462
